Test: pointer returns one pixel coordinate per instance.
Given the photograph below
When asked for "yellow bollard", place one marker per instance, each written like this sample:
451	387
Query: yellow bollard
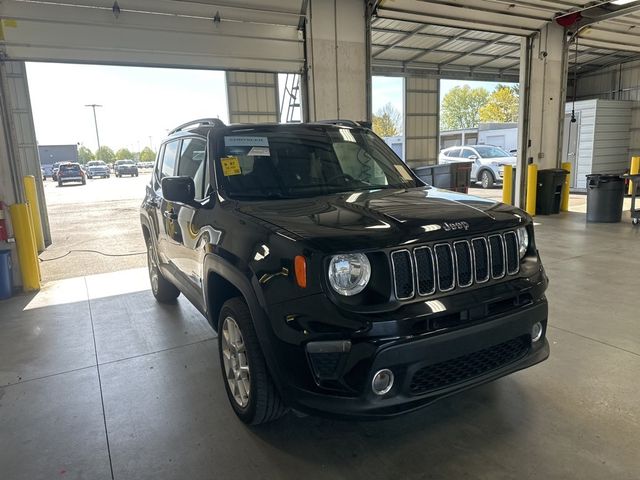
635	169
564	206
25	241
507	185
532	189
31	193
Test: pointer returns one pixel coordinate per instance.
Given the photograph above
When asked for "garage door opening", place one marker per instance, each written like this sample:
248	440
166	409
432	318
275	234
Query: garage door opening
94	222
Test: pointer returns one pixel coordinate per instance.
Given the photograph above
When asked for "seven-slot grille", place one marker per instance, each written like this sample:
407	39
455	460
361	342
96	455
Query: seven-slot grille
458	264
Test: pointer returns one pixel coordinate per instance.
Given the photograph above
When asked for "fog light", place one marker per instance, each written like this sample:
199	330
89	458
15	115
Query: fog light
382	382
536	332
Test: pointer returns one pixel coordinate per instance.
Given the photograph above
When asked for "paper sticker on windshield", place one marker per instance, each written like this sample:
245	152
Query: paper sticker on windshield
245	141
404	173
259	152
230	166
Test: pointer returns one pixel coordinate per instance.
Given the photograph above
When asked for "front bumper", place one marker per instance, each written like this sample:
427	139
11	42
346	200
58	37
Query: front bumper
445	352
489	328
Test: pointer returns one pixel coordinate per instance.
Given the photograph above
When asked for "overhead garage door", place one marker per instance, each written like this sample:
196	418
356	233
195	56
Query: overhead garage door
252	97
421	124
251	35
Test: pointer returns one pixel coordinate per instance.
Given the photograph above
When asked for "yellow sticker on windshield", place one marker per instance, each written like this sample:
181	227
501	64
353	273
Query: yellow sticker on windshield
230	166
404	173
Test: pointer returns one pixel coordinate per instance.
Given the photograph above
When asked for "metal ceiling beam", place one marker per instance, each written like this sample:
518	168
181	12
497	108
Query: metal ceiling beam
454	21
442	36
439	50
506	55
433	48
403	39
474	51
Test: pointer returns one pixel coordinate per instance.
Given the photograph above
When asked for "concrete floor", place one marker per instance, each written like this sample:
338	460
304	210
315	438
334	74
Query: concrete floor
102	215
99	381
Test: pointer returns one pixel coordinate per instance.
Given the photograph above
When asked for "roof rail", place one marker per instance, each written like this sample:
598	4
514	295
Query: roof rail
214	122
345	123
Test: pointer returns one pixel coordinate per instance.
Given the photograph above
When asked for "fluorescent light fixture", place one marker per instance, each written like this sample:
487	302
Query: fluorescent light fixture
621	2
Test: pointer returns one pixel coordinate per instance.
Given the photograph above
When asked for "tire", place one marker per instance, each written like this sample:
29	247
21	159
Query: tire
108	176
486	179
89	177
162	289
261	403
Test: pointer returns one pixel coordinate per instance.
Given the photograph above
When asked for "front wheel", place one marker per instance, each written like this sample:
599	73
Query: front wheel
162	289
486	179
249	386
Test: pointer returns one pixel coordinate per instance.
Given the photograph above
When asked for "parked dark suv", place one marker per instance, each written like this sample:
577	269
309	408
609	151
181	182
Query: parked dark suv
125	167
337	281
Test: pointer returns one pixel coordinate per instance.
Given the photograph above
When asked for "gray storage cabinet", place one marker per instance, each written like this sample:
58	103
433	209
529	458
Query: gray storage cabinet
598	142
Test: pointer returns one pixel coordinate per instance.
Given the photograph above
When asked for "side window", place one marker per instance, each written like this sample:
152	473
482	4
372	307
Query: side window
192	163
169	159
467	152
453	153
158	169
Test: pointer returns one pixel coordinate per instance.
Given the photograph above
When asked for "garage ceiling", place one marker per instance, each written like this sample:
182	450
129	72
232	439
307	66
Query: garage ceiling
259	35
480	39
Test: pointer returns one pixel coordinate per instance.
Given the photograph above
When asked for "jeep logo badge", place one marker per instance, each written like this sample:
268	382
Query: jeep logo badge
455	226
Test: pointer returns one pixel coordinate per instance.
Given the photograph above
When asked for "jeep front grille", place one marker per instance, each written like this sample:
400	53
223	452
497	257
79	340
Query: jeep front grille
444	267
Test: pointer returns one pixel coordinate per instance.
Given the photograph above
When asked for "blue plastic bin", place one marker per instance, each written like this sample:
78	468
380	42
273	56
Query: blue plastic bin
6	283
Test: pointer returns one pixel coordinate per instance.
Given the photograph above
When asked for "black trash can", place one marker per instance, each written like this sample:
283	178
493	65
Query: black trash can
549	191
605	196
454	176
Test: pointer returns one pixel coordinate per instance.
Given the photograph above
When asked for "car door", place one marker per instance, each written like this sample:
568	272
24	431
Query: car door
190	236
164	211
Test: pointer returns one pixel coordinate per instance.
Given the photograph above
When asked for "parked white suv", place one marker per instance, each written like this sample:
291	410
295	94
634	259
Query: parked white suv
488	162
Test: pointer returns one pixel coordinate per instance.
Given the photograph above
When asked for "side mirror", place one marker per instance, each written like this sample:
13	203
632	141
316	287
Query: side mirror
179	189
472	157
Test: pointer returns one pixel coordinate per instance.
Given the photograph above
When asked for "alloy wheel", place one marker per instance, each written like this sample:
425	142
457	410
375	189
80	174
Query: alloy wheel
153	268
236	362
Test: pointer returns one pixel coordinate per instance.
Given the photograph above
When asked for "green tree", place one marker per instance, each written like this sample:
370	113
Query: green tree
502	105
85	155
387	121
147	155
460	107
105	154
124	154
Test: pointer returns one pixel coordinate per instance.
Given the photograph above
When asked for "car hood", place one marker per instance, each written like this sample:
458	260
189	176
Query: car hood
385	218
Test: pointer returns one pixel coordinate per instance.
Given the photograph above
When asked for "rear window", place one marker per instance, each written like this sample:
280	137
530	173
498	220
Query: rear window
69	167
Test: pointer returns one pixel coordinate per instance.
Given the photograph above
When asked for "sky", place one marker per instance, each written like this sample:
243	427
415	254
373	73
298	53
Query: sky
137	102
140	105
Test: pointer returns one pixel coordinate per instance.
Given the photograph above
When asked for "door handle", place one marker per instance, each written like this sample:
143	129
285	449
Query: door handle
170	214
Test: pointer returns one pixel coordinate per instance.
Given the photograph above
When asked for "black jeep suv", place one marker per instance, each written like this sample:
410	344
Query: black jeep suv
337	281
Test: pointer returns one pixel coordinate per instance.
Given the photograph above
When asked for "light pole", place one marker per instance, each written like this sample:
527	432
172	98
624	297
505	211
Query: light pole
95	121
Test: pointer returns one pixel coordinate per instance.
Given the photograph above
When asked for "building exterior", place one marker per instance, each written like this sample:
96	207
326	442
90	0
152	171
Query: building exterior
50	154
396	144
503	135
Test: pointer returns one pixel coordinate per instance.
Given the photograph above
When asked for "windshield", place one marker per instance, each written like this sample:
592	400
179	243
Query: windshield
487	151
125	162
96	164
294	162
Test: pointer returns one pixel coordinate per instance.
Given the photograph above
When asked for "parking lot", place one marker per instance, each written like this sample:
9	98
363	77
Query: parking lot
101	216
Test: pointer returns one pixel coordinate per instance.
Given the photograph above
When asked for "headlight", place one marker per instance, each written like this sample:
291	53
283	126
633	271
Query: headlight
350	273
523	241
